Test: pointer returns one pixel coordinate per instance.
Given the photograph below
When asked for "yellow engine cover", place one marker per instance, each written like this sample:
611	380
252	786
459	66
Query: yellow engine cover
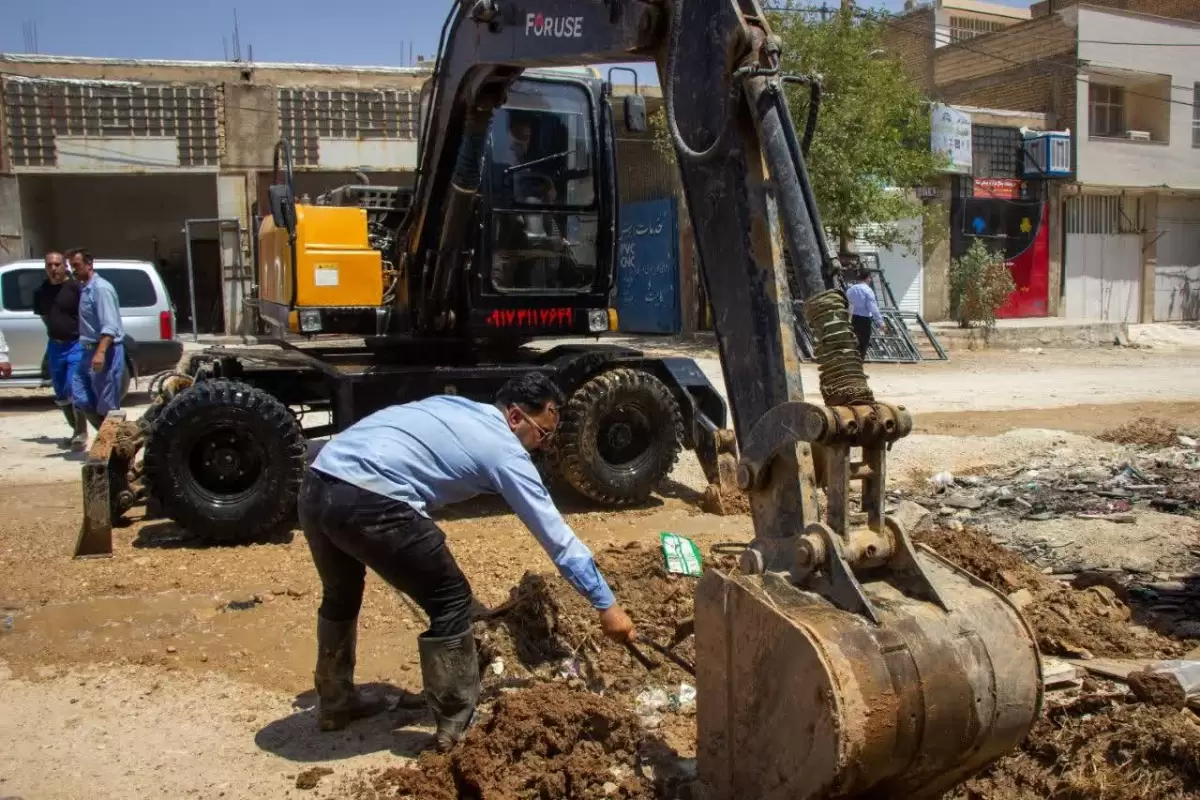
335	263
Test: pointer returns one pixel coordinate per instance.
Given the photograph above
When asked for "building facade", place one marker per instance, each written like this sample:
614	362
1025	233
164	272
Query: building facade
1124	79
123	157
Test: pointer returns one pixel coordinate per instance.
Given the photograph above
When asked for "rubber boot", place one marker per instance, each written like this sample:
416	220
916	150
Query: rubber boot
450	672
79	424
338	702
95	418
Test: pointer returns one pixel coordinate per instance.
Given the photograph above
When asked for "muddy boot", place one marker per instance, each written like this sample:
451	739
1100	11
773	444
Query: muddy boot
79	440
93	417
338	702
450	672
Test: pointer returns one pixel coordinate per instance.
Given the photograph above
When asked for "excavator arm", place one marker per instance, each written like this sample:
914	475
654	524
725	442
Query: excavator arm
839	659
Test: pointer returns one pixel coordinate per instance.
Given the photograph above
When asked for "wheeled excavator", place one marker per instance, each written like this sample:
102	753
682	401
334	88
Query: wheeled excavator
840	659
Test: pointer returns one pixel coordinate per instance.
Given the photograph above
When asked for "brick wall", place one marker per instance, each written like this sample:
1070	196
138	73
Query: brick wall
909	41
1042	39
1177	9
1013	90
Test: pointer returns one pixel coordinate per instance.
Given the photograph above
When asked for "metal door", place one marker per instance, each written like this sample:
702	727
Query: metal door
648	268
1177	273
1103	263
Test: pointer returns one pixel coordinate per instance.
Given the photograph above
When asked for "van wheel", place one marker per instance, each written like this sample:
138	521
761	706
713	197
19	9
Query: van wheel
224	459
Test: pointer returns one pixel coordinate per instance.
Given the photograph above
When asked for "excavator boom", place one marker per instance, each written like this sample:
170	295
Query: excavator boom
839	659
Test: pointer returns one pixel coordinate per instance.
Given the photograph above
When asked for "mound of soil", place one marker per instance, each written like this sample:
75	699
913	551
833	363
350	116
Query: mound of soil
1148	431
1068	622
549	631
548	741
1098	748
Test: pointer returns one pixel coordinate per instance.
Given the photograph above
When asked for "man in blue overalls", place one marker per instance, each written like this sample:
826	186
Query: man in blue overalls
56	301
96	387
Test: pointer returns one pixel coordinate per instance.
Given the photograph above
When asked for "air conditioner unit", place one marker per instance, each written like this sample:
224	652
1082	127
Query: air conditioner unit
1046	154
1138	136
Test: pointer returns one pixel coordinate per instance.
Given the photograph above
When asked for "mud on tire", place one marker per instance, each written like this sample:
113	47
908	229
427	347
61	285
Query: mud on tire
619	436
224	460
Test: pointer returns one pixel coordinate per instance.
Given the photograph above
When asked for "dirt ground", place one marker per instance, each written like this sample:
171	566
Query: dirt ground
178	670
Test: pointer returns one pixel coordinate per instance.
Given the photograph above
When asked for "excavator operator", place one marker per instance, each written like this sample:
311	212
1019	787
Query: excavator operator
365	502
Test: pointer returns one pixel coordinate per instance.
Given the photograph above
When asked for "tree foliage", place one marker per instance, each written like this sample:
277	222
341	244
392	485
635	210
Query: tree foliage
873	127
980	283
872	138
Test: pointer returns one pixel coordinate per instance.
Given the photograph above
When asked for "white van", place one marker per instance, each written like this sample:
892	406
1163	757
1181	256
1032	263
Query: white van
146	313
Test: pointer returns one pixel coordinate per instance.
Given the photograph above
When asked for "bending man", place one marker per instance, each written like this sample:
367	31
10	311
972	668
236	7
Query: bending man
365	502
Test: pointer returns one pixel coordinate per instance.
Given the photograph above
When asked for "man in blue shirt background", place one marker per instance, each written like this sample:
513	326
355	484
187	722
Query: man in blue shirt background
96	384
864	311
365	502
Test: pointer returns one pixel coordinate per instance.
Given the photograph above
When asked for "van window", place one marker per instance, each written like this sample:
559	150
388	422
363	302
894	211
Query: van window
134	288
17	287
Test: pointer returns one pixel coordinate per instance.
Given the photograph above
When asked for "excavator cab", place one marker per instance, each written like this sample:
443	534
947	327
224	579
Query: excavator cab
544	262
545	247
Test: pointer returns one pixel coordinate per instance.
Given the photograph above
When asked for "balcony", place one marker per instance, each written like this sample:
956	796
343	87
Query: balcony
1129	107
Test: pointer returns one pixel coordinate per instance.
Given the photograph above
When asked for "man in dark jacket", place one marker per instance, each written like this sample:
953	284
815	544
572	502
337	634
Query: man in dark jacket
56	301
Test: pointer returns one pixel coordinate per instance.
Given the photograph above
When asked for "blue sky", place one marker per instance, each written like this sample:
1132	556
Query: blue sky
374	32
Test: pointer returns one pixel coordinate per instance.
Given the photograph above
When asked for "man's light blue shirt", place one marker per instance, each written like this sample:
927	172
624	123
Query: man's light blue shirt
99	312
446	449
863	303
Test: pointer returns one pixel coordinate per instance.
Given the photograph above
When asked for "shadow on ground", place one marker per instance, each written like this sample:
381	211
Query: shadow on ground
297	738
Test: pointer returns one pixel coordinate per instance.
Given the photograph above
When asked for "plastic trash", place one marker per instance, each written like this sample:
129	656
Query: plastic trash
942	480
6	625
681	554
1186	672
684	699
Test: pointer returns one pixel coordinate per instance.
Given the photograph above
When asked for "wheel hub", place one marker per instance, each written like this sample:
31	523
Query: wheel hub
625	435
225	462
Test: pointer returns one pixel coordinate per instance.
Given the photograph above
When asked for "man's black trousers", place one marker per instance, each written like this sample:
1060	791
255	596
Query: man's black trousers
862	332
349	529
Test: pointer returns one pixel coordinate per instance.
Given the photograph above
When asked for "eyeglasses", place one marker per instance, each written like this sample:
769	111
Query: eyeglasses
543	434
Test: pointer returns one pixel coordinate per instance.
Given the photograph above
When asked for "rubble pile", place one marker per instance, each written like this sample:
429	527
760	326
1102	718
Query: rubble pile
1098	746
1028	509
1082	619
548	632
548	741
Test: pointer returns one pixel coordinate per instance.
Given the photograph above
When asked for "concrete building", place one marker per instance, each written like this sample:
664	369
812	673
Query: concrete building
118	155
1125	83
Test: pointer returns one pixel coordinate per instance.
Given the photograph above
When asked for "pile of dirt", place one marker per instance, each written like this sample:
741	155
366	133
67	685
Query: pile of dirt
548	741
1098	747
1068	622
548	631
1148	431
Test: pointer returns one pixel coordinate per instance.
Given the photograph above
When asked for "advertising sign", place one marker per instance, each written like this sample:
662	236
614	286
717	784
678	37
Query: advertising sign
951	136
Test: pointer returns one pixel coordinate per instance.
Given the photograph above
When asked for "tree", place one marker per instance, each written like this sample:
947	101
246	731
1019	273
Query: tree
872	137
980	283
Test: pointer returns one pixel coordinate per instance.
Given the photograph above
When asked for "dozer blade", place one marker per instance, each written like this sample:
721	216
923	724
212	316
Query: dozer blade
801	699
95	535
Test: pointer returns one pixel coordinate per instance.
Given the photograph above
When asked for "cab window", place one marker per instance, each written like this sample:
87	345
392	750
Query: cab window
541	183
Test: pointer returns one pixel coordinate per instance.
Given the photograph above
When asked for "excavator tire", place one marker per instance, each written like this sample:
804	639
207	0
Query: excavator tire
224	460
619	436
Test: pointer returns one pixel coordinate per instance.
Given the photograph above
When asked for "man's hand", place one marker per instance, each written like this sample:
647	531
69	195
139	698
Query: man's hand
98	361
5	369
616	624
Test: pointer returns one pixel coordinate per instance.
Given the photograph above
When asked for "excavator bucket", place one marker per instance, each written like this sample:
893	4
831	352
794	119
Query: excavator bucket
845	661
903	708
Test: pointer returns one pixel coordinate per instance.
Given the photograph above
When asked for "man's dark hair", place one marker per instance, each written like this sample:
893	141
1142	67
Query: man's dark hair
87	257
531	391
